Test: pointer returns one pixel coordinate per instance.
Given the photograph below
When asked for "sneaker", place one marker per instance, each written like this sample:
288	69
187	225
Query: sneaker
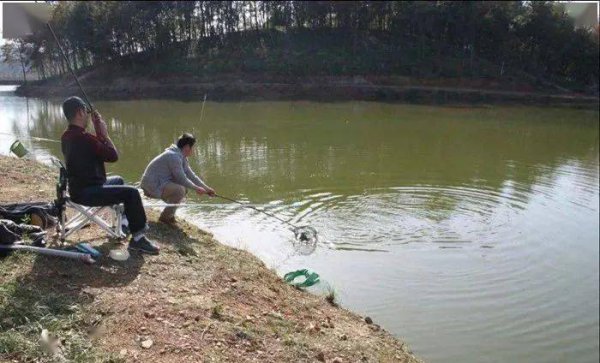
144	245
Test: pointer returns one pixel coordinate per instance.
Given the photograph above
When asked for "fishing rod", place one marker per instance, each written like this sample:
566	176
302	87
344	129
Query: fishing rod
304	234
87	100
85	96
222	197
183	205
256	209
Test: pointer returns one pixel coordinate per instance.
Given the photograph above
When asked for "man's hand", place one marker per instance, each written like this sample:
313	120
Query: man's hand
102	135
201	191
99	125
210	191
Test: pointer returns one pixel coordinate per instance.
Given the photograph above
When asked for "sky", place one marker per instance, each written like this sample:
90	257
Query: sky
2	41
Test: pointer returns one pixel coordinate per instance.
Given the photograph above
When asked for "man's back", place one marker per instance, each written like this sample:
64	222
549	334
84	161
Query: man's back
159	171
170	166
84	156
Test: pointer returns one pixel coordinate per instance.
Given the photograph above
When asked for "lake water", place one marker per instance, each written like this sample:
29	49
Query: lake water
471	233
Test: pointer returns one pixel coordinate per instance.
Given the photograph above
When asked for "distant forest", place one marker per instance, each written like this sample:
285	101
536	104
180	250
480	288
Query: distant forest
421	39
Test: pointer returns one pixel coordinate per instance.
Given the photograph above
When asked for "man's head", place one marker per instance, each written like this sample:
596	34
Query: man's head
185	143
76	111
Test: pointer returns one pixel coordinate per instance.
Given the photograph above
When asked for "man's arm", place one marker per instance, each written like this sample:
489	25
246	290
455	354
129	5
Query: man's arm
176	169
193	177
196	179
103	146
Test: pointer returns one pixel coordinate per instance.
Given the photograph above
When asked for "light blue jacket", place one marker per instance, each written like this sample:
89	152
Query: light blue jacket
170	166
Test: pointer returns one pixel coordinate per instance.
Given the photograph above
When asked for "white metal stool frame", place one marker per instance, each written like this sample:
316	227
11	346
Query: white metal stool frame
84	214
90	214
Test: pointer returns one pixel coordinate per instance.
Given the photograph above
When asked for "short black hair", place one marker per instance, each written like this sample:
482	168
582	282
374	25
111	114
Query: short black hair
186	139
71	106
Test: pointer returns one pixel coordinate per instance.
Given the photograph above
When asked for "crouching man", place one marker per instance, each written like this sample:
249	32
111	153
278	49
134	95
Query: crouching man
169	176
85	155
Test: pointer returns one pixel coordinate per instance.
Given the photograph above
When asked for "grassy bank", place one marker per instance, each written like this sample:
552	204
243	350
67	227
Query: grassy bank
197	301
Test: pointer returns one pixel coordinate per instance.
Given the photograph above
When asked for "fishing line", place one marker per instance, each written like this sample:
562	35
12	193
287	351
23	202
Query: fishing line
256	209
30	137
222	197
306	238
202	110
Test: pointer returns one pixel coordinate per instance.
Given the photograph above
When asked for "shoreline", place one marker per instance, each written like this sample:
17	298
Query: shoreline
199	299
327	90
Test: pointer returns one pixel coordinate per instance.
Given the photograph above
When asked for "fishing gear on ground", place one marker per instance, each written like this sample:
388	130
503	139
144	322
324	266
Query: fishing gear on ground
12	239
11	232
83	257
42	214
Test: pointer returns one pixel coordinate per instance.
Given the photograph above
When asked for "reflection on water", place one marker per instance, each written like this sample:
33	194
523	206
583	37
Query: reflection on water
472	233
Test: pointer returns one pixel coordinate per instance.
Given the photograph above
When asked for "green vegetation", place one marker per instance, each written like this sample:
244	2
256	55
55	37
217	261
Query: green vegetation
18	52
41	324
535	41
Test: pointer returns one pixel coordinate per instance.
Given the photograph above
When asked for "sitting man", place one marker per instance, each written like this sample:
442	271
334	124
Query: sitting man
85	155
168	176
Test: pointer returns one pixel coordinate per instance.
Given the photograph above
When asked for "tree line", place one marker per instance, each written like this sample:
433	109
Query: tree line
410	38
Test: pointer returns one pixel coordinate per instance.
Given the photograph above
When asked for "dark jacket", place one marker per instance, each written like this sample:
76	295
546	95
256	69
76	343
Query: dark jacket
85	155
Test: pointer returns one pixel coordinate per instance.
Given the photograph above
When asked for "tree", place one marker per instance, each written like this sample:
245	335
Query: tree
410	37
18	51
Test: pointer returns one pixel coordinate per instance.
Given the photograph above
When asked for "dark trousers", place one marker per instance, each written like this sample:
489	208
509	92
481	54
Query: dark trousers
115	192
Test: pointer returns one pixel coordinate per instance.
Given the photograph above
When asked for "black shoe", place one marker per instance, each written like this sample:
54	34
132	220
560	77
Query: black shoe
144	245
38	239
125	230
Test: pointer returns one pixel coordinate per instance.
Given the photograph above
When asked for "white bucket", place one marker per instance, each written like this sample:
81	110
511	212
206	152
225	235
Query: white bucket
119	255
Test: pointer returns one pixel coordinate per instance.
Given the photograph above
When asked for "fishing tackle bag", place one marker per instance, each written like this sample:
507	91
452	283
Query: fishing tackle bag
41	214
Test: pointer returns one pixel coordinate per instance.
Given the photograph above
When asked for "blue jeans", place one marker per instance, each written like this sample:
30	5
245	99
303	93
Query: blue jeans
114	191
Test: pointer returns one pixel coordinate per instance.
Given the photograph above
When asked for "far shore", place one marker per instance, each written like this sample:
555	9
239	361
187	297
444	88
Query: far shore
326	89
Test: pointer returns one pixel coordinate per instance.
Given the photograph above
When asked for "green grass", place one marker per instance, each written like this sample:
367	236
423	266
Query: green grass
217	312
28	306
